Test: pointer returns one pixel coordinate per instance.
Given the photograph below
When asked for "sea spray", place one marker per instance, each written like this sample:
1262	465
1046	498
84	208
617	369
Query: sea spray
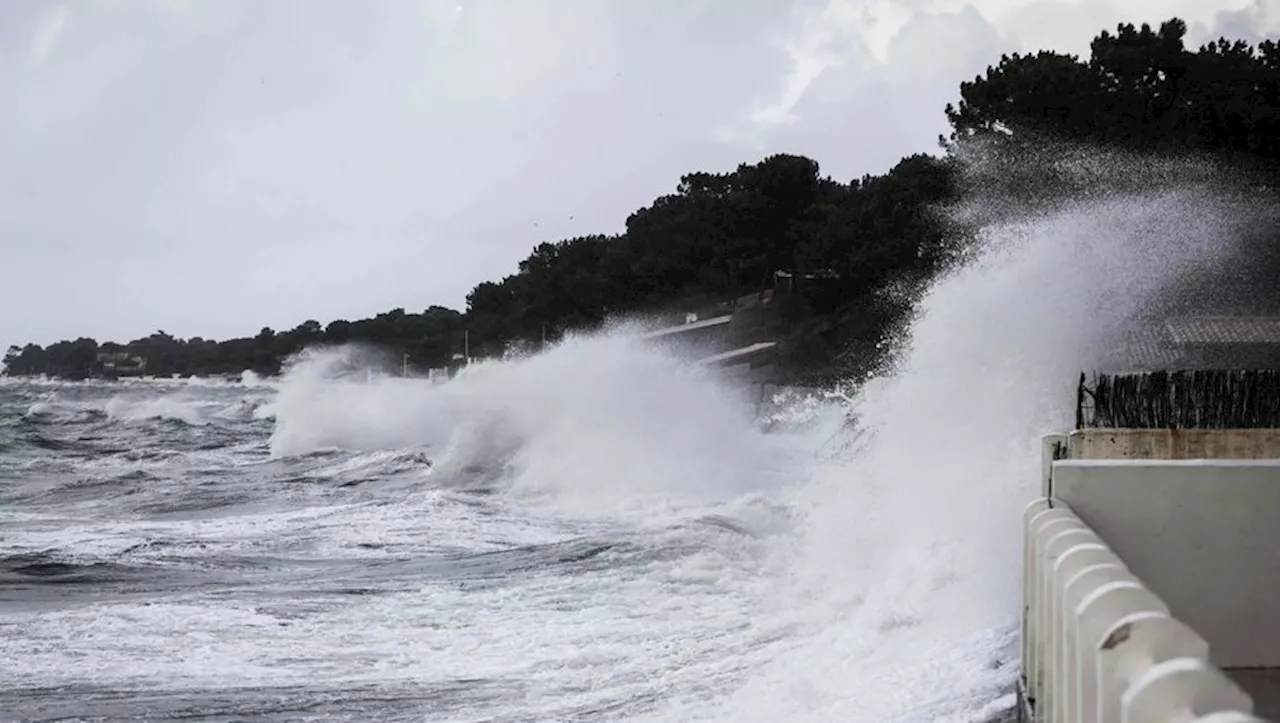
881	581
907	571
137	408
595	422
600	532
329	398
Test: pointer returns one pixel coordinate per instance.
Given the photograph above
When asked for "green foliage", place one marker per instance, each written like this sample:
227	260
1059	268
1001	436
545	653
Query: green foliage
725	234
1141	89
722	234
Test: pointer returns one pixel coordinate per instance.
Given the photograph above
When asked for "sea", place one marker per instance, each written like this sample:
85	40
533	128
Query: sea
599	532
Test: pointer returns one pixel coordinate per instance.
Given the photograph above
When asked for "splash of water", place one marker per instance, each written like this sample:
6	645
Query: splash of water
593	422
125	409
909	569
898	589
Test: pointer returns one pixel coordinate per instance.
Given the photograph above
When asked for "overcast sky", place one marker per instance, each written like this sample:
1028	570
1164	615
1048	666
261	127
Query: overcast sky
208	167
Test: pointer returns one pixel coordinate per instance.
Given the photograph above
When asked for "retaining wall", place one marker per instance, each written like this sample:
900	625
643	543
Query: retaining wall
1099	646
1174	444
1153	556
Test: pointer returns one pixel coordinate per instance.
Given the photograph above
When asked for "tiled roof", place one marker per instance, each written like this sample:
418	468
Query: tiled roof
1224	330
1146	354
1144	347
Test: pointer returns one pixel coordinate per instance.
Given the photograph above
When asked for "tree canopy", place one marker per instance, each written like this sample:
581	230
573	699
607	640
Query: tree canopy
1141	89
726	233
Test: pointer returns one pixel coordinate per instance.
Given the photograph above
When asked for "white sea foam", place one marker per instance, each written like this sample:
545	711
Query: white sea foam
594	422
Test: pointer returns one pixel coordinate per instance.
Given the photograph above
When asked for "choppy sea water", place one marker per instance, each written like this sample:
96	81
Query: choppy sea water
341	547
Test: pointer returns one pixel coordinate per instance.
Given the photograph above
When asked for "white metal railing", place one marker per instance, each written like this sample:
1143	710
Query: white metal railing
1098	646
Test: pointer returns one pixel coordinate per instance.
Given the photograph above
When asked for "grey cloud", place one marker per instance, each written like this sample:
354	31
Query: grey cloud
1253	23
1063	24
862	117
1070	25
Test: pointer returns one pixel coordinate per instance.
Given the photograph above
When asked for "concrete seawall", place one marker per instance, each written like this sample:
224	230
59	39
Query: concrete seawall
1151	578
1173	444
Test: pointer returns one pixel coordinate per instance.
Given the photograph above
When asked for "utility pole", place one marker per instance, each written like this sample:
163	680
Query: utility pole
404	366
466	347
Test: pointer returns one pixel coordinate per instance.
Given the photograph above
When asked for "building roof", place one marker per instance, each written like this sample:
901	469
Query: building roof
1224	330
1144	351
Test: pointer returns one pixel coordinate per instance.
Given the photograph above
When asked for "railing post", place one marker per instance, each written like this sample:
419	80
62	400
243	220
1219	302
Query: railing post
1079	570
1134	644
1029	515
1095	616
1099	646
1079	588
1058	547
1041	529
1184	690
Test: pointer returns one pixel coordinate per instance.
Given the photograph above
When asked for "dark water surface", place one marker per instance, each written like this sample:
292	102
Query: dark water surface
545	541
157	563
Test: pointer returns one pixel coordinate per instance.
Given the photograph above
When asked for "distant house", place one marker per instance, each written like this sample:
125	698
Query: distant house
791	281
1205	342
112	364
822	289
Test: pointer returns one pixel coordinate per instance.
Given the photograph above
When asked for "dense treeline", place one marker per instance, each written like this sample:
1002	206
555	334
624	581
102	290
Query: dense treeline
429	336
1140	90
723	234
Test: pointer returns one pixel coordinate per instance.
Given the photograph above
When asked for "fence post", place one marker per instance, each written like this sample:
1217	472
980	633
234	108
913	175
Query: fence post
1052	446
1080	402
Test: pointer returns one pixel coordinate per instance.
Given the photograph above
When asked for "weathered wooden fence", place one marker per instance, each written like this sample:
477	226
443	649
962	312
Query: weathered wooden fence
1201	399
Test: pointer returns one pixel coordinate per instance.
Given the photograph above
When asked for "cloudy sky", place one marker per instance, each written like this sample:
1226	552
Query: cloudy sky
208	167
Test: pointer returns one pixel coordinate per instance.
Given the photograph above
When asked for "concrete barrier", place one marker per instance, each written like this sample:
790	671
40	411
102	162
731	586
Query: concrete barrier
1098	645
1171	444
1201	534
1184	689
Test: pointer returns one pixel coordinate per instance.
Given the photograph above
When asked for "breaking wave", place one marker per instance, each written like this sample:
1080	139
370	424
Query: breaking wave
604	530
896	576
